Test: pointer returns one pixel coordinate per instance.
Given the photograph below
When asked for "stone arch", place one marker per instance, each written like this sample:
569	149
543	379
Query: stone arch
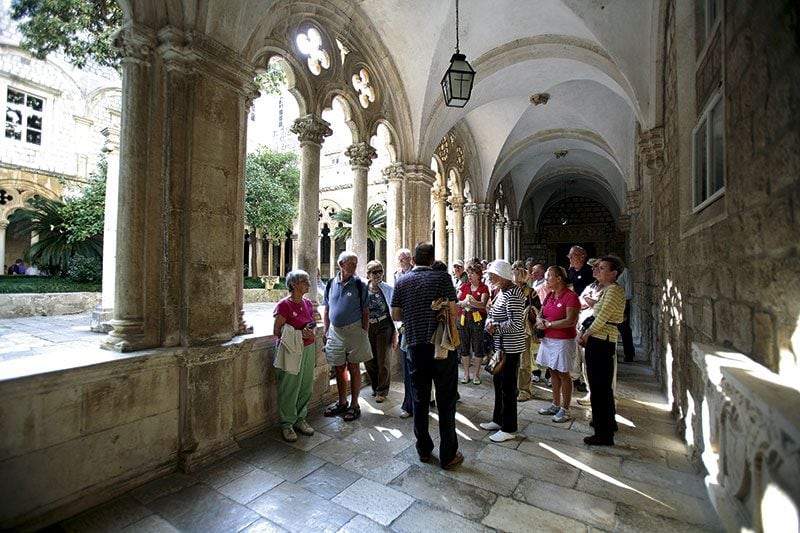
393	140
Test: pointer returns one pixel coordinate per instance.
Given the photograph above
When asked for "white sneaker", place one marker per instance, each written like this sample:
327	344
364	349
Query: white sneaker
562	416
404	414
549	410
502	436
489	426
289	435
304	428
586	400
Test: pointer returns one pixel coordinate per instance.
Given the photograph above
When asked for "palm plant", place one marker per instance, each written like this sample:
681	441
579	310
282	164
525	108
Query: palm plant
57	243
376	223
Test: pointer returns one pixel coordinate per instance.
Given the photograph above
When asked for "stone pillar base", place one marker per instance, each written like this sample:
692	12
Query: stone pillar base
101	319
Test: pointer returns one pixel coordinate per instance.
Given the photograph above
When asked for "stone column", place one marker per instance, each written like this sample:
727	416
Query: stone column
516	250
470	230
3	226
418	217
450	238
104	312
499	224
332	258
507	241
128	332
439	194
361	156
458	228
394	209
258	254
296	253
282	259
485	233
311	130
270	256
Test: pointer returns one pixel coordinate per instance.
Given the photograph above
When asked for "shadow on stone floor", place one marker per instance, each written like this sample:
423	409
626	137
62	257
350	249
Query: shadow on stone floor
365	476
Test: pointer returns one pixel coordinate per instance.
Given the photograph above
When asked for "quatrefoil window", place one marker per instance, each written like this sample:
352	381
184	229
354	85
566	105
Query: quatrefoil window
362	85
310	44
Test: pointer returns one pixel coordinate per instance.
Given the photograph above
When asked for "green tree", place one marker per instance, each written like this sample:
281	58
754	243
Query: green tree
66	229
80	29
376	223
272	189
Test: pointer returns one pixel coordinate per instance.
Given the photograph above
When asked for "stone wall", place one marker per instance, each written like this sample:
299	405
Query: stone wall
726	276
48	304
76	438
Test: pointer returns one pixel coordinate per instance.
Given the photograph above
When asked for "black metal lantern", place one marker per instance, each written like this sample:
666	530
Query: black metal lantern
459	77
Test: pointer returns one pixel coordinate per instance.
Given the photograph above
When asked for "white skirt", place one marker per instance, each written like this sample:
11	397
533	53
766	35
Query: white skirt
556	354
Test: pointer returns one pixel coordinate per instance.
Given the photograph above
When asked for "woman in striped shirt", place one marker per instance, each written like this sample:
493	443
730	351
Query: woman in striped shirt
507	327
600	340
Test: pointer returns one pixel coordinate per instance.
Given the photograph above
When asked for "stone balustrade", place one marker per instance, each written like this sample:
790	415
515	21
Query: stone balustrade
76	437
746	431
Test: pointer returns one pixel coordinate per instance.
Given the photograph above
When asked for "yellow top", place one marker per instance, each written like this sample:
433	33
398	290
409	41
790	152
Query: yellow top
608	312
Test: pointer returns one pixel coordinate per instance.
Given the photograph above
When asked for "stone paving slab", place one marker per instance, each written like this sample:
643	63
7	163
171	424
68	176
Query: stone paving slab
365	476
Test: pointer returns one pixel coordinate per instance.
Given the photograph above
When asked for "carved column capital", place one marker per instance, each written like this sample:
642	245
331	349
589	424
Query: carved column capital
311	129
439	194
457	201
651	151
421	174
136	43
361	155
471	209
394	172
111	143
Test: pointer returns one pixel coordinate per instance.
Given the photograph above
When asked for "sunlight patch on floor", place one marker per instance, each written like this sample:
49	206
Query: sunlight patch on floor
598	474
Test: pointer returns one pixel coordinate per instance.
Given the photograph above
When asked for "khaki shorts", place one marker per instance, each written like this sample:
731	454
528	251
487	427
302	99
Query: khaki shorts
347	344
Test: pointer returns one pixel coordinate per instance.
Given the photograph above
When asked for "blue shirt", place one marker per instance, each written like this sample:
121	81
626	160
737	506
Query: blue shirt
413	294
343	303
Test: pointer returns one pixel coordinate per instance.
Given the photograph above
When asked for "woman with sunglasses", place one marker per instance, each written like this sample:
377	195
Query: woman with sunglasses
382	334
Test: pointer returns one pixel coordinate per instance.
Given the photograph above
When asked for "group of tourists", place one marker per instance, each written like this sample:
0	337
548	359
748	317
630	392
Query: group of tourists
531	321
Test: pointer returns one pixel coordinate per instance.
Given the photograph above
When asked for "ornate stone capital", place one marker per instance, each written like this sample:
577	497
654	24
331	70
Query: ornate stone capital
111	143
135	43
651	151
361	155
470	209
394	172
439	194
311	129
457	202
421	174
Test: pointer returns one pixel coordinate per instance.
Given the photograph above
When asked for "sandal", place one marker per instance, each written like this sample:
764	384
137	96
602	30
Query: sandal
464	381
351	414
476	381
335	409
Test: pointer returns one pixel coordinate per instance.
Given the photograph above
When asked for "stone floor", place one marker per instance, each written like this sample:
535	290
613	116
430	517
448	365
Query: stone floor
365	476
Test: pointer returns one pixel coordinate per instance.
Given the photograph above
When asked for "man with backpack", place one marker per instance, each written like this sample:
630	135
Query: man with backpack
346	321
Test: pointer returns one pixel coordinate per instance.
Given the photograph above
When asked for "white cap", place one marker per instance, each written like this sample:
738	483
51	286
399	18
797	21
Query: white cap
500	268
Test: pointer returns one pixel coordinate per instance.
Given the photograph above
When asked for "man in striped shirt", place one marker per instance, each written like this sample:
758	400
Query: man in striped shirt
411	302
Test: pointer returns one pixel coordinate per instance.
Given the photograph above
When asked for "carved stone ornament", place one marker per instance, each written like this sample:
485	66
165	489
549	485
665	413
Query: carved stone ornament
394	172
311	129
361	155
471	209
540	98
651	151
135	43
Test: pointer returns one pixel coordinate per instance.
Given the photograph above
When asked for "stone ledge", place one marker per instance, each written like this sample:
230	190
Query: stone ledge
749	431
48	303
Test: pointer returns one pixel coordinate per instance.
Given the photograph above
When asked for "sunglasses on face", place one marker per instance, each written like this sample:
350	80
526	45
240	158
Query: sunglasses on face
376	272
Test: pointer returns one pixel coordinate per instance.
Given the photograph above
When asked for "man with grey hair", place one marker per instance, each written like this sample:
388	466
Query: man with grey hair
579	273
346	320
404	263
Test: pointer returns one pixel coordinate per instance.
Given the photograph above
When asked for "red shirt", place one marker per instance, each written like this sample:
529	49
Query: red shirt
297	315
465	289
556	309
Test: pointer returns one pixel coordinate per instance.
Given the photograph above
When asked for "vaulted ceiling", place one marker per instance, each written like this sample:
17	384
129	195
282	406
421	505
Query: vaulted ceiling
599	61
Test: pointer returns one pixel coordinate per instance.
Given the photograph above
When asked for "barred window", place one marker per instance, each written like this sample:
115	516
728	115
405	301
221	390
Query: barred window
24	116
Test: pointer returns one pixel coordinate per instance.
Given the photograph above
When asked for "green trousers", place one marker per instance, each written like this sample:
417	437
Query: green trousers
294	390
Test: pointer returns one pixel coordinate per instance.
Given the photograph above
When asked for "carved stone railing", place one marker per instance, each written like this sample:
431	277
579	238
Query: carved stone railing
747	427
